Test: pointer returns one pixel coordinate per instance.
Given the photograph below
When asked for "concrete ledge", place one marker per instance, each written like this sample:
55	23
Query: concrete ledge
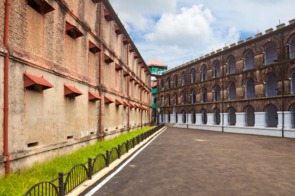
103	173
276	132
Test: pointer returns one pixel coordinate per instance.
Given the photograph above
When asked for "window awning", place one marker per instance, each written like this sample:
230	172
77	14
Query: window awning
125	41
107	15
118	30
118	102
71	91
93	48
41	6
126	104
130	48
118	67
92	96
107	59
36	82
125	73
73	31
131	78
136	82
135	55
108	100
131	105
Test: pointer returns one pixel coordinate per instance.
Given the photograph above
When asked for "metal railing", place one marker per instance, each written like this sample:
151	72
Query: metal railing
66	182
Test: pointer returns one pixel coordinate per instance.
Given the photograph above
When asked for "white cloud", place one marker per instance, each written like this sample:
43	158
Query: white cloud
177	31
140	14
188	28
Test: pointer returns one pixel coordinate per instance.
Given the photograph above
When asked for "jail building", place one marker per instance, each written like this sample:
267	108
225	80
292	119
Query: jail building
247	87
71	75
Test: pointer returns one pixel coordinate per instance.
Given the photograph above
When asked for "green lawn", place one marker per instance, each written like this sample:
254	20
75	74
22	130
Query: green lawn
18	183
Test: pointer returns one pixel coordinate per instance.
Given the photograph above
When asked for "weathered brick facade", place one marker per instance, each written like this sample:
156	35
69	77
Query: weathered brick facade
248	87
69	45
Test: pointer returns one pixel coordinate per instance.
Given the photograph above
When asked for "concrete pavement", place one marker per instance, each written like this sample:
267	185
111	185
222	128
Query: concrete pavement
194	162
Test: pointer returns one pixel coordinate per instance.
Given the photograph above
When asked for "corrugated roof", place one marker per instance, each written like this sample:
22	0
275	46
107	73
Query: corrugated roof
156	63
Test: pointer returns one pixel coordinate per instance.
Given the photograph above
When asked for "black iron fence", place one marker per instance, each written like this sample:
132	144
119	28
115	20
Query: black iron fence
66	182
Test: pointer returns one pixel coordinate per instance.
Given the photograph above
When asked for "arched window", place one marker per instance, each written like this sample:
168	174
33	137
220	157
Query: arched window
216	69
183	116
216	93
248	60
183	98
193	96
293	116
168	117
155	100
231	116
193	76
270	53
204	95
271	116
293	82
204	116
231	63
292	47
193	117
249	89
175	81
183	78
203	73
216	112
162	101
175	100
271	85
168	100
250	116
232	91
168	83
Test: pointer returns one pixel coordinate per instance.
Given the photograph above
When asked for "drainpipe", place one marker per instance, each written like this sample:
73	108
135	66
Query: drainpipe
99	67
140	103
222	87
128	83
6	85
128	109
283	84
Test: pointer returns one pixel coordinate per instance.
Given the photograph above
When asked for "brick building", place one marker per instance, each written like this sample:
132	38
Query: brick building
71	76
247	87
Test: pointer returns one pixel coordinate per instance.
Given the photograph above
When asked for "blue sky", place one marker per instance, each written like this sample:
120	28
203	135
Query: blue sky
177	31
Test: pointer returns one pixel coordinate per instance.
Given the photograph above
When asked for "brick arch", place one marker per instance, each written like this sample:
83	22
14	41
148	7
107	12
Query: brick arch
271	115
290	106
248	59
231	67
270	52
291	47
271	84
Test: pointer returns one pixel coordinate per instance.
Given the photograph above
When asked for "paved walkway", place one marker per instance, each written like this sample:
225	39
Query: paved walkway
192	162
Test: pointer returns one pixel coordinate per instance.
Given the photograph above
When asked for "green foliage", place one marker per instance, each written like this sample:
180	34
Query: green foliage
20	182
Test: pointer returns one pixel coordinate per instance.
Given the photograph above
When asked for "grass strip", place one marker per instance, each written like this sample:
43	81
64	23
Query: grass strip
20	182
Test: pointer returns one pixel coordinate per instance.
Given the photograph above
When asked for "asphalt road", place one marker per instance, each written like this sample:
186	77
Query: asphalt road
193	162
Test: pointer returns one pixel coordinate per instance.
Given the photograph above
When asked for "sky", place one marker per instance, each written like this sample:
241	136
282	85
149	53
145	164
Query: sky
177	31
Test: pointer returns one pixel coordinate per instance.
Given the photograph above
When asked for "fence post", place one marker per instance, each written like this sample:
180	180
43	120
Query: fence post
61	184
90	168
127	146
107	158
119	151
